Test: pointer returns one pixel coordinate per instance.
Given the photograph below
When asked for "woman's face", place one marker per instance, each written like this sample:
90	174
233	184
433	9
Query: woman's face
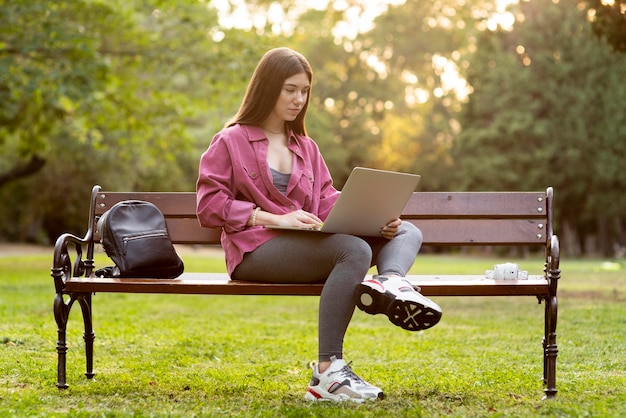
292	98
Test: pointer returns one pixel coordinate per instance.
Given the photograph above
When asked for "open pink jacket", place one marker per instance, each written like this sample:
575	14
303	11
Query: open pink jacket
234	178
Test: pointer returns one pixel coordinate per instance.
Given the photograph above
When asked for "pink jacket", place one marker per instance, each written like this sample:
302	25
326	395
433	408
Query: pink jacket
234	178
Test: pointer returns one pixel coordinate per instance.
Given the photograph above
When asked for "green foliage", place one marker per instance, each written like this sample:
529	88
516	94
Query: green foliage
184	355
48	64
544	112
609	22
121	94
127	94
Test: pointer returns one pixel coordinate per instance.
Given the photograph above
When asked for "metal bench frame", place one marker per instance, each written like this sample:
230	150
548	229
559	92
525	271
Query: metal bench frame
454	219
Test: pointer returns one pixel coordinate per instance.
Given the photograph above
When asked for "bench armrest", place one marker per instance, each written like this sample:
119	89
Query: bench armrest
62	260
553	271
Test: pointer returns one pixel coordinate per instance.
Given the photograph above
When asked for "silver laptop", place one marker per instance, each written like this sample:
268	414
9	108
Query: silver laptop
369	200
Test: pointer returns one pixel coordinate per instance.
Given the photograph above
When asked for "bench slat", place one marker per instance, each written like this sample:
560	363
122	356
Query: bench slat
420	205
482	231
459	218
436	232
179	204
189	231
220	284
475	204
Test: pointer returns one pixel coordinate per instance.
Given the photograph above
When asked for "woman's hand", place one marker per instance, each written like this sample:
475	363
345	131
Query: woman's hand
391	229
299	218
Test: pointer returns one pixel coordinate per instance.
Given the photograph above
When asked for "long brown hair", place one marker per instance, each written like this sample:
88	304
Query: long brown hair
267	81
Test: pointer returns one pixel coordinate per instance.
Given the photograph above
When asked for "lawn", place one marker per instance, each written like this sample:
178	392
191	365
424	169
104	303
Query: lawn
181	355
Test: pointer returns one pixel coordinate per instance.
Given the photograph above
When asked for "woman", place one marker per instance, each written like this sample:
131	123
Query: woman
262	169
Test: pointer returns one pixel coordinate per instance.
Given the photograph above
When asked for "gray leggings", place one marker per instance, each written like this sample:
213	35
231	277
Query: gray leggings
339	260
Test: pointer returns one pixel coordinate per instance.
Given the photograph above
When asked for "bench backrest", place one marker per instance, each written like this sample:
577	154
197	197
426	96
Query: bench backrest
445	218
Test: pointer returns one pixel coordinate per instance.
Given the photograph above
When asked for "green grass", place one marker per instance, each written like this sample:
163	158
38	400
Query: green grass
180	355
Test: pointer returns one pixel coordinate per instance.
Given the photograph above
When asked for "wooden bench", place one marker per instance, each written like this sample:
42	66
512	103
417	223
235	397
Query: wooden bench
454	219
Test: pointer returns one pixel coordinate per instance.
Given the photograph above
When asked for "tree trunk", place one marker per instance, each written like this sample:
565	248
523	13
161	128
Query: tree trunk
22	169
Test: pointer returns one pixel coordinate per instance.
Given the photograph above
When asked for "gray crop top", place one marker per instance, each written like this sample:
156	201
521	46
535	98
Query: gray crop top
280	180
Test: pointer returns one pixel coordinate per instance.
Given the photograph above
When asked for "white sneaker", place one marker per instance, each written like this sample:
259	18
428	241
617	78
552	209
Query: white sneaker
339	383
396	298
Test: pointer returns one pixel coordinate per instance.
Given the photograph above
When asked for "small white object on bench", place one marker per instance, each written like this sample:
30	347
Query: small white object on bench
506	271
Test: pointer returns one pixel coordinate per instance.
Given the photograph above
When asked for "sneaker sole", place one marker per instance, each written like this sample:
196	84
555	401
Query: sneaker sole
409	315
312	395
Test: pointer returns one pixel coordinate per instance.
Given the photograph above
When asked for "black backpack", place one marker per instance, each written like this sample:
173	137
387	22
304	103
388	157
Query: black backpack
134	235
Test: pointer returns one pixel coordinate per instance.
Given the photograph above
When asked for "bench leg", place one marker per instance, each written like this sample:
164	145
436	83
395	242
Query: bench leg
61	315
550	350
88	336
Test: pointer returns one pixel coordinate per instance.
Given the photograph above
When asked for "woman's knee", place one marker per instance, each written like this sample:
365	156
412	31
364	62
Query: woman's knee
411	231
352	248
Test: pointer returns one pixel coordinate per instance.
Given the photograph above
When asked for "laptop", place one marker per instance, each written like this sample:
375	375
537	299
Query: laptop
369	200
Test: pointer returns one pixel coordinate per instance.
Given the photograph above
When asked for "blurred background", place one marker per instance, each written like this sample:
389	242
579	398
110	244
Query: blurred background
472	94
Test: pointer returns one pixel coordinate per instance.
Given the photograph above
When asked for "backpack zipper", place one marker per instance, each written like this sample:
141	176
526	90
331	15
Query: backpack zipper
126	240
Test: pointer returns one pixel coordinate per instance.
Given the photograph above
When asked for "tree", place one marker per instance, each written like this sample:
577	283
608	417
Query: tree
414	48
544	112
112	92
609	22
46	64
367	91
